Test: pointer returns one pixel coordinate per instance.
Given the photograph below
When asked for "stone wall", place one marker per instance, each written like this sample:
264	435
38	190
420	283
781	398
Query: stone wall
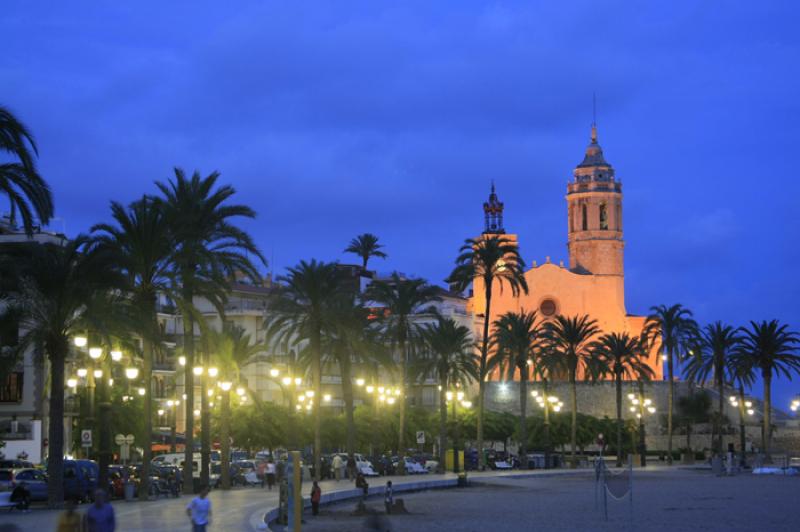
599	400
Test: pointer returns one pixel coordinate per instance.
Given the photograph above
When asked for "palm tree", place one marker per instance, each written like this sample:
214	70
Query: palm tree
516	337
25	189
709	362
571	338
772	349
57	285
365	246
209	250
452	362
401	299
232	349
623	357
492	259
142	248
304	309
674	330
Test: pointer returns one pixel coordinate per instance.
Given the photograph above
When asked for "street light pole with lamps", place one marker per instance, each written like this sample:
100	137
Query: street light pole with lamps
459	398
641	406
546	403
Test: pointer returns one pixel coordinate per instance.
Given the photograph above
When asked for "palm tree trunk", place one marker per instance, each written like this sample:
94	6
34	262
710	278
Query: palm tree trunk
57	352
403	402
482	375
767	430
442	423
347	395
225	439
574	429
104	426
523	428
188	379
618	386
205	426
546	425
720	407
670	407
742	435
147	377
316	376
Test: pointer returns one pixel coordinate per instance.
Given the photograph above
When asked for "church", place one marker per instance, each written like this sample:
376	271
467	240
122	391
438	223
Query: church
594	281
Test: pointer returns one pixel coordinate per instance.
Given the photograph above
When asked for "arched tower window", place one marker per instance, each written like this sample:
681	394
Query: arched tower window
603	217
585	223
571	218
618	217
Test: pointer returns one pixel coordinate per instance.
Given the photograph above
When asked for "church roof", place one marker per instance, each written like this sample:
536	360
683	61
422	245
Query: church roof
594	153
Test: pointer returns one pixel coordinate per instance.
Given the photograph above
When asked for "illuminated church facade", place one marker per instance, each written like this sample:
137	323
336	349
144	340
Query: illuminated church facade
593	282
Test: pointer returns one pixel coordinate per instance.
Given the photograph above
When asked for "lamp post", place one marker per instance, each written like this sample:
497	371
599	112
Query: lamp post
641	406
547	403
745	407
172	415
456	398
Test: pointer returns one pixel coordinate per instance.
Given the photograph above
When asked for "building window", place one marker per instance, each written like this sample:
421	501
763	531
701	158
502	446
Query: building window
585	223
547	308
603	217
11	389
618	217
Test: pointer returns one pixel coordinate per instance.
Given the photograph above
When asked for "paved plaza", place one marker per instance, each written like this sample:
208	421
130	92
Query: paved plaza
549	500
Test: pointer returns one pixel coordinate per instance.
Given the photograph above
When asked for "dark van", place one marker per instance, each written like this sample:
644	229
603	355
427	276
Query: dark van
80	479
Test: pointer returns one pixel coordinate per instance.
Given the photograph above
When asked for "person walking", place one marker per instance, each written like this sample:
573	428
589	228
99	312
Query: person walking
361	482
199	511
271	470
388	497
69	520
316	495
338	466
351	468
100	515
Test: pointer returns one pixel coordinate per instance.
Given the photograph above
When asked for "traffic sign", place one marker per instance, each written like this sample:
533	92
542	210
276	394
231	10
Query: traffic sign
86	438
129	439
421	437
119	439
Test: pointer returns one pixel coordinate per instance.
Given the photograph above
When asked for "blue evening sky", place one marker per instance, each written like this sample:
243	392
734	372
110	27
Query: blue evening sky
336	118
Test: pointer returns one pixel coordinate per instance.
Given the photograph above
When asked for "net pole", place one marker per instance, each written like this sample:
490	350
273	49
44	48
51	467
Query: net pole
630	487
605	493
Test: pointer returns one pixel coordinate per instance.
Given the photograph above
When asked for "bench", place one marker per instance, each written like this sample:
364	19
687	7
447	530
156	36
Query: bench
5	500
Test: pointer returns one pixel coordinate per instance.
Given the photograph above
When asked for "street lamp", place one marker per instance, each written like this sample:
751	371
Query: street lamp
213	372
274	372
116	355
95	352
197	370
641	406
360	382
459	399
131	373
546	403
80	341
225	385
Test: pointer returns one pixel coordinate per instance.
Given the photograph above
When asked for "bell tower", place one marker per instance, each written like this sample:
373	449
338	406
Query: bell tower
594	206
493	214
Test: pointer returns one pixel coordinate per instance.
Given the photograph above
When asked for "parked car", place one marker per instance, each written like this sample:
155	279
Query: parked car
15	464
412	467
428	461
34	479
